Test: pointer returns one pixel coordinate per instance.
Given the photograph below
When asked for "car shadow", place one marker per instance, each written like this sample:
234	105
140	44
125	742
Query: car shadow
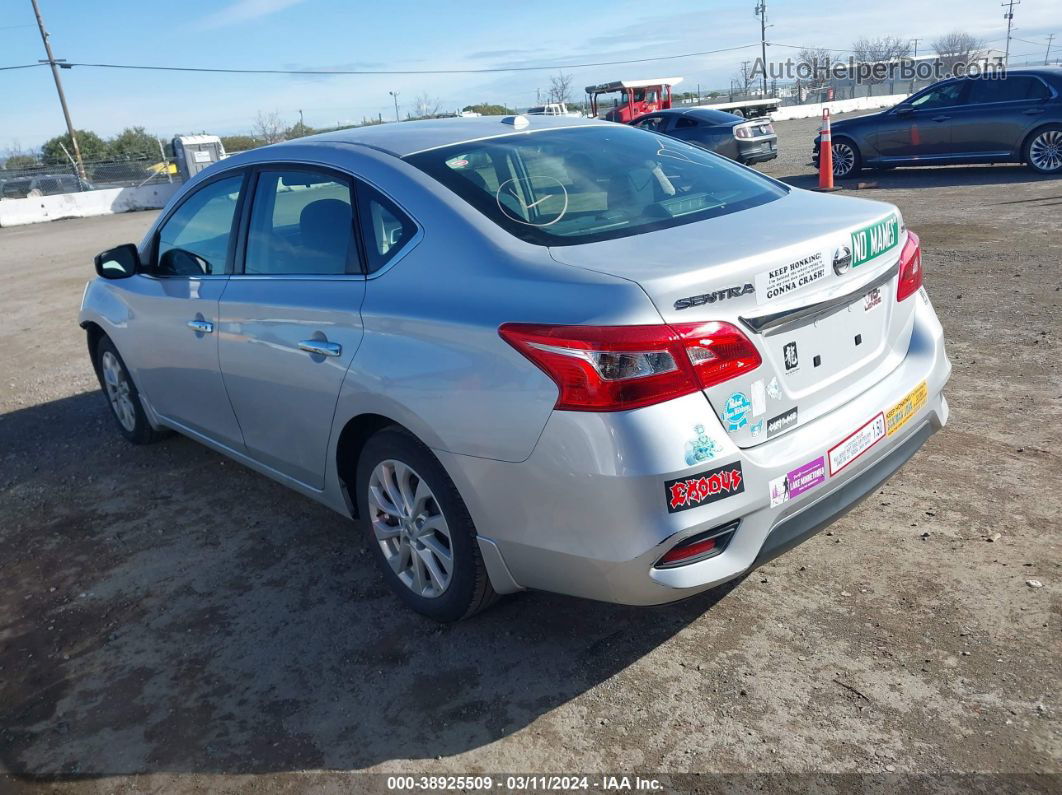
926	177
167	610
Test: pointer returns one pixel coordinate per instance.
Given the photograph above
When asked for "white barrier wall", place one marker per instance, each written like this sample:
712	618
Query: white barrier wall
837	106
15	212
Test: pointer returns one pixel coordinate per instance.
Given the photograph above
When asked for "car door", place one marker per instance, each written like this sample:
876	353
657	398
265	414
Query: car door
173	338
920	128
997	114
290	316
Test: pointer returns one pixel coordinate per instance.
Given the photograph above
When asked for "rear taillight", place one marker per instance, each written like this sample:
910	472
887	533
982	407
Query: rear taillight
910	267
742	132
613	368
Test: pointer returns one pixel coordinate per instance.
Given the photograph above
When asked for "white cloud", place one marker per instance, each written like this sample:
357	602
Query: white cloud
245	11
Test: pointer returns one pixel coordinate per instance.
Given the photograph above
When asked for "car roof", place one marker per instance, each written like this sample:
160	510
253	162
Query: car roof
408	137
713	115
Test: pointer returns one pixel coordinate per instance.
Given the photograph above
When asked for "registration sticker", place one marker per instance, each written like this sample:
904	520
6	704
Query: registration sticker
857	443
898	415
870	241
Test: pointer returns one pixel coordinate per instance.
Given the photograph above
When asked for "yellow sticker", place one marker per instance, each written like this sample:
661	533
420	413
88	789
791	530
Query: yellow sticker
898	415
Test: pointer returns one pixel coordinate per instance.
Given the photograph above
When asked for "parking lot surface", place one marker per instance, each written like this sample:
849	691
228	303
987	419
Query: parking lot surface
167	614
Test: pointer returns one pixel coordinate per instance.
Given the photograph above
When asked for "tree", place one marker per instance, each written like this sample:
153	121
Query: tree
958	47
743	79
882	50
269	127
426	106
818	60
133	143
488	109
299	130
92	148
240	143
20	162
560	88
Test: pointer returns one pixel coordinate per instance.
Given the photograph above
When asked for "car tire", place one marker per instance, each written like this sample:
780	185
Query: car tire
1043	150
847	161
413	542
122	395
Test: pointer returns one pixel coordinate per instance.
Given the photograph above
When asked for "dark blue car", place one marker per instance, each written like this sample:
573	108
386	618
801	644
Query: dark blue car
1016	118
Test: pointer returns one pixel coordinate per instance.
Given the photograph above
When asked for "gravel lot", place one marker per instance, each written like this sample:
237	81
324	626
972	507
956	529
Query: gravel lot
169	616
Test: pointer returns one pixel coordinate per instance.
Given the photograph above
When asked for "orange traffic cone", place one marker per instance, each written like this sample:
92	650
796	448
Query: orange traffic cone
825	154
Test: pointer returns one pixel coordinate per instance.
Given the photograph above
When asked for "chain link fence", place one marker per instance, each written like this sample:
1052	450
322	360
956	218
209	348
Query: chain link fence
48	180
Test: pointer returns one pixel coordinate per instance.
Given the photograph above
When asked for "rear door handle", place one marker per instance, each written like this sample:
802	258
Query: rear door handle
321	347
202	326
941	118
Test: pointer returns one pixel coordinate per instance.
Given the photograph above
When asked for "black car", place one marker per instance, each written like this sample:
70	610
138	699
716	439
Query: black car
1016	118
745	140
42	185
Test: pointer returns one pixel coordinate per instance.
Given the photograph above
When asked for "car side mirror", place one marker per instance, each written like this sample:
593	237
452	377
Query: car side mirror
118	263
904	110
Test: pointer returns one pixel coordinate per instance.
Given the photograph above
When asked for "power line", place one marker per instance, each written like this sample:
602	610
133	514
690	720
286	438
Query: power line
22	66
222	70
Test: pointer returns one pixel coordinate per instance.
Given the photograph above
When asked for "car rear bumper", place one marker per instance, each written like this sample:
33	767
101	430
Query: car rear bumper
587	513
758	151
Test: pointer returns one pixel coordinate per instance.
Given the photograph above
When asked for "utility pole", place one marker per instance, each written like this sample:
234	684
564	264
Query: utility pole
395	95
1009	16
59	87
1047	55
761	12
915	41
301	125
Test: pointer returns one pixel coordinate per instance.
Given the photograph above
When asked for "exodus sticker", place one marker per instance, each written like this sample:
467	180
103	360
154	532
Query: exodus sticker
703	488
898	415
857	443
702	447
736	411
870	241
796	482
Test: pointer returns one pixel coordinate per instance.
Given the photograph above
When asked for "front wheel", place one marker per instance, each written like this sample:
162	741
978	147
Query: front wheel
122	395
1043	151
846	159
419	529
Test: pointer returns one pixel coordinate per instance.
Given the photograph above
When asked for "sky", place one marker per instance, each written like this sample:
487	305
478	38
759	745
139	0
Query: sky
416	35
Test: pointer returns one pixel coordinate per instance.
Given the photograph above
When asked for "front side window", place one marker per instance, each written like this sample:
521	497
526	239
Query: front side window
939	97
578	185
654	123
302	223
194	241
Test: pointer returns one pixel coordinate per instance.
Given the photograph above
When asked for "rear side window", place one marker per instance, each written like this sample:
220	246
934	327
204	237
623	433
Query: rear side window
686	122
194	241
1007	89
384	227
559	187
302	223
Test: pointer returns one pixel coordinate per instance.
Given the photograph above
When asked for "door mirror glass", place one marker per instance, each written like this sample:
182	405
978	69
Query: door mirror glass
904	110
118	263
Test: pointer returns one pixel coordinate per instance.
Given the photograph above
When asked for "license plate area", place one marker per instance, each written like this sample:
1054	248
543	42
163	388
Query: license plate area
812	356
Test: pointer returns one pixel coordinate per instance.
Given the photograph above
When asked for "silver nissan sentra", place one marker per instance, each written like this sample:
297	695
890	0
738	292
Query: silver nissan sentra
548	353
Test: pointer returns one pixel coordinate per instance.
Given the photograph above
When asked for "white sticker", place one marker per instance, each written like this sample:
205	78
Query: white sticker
759	398
857	443
787	278
774	389
201	156
872	299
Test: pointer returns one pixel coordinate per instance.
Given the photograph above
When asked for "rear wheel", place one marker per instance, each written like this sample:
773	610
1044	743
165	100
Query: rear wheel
419	529
1043	150
122	395
846	159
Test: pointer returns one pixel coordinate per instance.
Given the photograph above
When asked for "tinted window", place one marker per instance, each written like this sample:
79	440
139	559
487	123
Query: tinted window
685	122
301	223
709	116
195	239
384	228
655	123
1007	89
578	185
939	96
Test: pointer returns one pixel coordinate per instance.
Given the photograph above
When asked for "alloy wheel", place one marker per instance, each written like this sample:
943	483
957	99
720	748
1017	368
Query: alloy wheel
843	159
118	391
410	528
1045	152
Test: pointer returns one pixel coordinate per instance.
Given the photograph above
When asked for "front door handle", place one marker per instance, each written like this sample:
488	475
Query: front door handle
1033	111
941	118
321	347
202	326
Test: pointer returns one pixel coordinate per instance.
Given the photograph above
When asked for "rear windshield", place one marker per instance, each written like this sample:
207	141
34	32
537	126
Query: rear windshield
584	184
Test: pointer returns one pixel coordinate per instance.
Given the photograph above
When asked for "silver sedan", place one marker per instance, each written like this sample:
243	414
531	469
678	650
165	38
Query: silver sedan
549	353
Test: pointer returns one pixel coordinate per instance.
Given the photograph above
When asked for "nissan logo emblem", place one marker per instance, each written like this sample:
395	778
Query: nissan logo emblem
842	260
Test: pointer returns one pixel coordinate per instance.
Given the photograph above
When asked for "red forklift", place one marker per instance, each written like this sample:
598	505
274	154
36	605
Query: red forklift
636	98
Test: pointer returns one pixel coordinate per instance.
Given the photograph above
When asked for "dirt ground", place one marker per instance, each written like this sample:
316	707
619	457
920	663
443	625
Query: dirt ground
171	621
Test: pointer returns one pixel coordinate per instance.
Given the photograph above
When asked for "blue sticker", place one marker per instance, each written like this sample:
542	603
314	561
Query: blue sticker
756	429
736	411
701	448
